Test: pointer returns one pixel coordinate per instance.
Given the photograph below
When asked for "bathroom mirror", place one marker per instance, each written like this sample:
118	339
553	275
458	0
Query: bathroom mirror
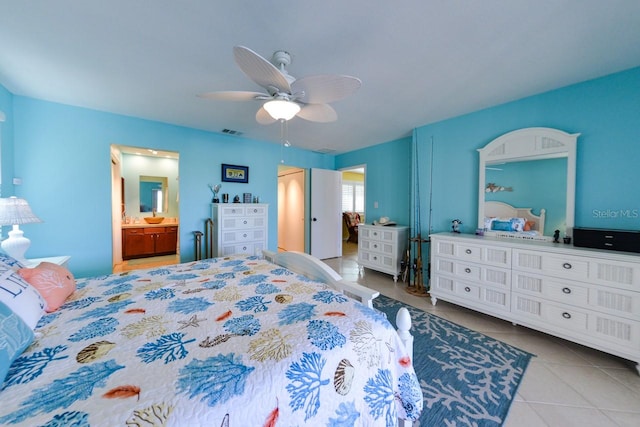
529	174
153	194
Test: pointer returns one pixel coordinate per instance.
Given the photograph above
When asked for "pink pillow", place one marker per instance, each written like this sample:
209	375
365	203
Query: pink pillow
54	282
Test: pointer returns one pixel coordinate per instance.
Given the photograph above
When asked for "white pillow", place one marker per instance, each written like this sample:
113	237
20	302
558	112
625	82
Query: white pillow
22	298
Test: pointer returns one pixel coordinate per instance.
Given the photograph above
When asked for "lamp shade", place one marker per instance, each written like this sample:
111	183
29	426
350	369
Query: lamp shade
15	211
281	109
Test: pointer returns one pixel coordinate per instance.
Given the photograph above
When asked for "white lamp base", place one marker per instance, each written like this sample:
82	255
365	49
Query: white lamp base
16	244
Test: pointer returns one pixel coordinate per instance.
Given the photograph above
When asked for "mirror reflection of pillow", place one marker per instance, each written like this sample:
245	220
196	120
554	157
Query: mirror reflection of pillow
54	282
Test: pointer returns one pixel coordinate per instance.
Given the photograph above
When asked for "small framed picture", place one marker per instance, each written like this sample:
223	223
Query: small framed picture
234	173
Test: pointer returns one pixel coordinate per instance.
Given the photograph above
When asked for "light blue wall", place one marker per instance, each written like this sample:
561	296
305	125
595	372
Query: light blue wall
387	180
62	153
6	137
605	111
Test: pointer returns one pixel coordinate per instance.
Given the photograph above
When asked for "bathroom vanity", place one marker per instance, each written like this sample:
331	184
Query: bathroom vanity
146	240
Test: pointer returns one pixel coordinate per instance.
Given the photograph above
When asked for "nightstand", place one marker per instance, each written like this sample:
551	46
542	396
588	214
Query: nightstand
60	260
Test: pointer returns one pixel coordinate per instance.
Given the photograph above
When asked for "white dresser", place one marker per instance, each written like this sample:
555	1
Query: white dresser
381	248
239	228
588	296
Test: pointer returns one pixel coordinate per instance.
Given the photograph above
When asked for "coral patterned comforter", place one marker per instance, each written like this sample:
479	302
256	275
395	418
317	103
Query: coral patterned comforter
233	341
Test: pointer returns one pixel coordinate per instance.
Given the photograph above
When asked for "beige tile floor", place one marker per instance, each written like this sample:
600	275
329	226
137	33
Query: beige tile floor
565	385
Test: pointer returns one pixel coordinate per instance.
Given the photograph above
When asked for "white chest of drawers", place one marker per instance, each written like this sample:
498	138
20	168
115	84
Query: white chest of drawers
381	248
239	228
587	296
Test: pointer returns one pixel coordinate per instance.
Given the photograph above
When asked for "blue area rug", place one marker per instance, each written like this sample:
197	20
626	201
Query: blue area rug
467	378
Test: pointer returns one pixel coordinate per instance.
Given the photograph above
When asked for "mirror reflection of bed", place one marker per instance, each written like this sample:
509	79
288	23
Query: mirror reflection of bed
532	225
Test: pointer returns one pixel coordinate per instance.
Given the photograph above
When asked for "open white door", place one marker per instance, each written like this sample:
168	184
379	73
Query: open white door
326	213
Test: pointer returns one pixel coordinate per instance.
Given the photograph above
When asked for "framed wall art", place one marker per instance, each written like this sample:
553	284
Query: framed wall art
234	173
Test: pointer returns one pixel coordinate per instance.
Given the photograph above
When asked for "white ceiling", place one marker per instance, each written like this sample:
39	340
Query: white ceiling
420	61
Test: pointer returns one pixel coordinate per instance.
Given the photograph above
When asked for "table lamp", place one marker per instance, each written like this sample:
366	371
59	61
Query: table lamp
15	211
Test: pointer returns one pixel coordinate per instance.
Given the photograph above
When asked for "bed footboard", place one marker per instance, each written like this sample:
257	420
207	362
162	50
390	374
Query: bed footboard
315	269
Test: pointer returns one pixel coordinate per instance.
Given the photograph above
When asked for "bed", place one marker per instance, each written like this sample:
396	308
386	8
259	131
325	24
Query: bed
232	341
504	220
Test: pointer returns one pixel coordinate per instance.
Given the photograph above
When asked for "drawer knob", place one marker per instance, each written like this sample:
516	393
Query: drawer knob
467	289
567	266
468	251
375	246
255	211
566	315
375	258
244	235
244	222
467	270
244	248
566	290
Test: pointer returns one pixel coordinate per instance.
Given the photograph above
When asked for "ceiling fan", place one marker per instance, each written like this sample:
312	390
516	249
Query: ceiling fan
286	96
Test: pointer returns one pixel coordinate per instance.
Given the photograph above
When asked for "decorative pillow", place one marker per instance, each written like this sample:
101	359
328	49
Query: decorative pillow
501	225
511	224
15	336
54	282
9	261
20	296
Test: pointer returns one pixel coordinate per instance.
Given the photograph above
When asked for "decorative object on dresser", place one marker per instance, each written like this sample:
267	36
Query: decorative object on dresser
527	157
215	189
614	240
381	248
582	295
14	212
147	241
239	228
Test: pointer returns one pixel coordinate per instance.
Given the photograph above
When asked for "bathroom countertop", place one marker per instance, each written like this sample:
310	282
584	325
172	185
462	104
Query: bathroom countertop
143	224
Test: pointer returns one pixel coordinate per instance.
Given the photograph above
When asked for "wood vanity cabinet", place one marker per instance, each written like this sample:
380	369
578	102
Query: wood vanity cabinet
140	242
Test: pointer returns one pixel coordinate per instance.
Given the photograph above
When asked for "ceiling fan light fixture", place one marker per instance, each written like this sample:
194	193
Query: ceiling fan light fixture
281	109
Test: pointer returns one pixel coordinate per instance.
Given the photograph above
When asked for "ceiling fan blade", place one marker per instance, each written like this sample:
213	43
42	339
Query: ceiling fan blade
263	117
231	95
261	71
322	113
325	88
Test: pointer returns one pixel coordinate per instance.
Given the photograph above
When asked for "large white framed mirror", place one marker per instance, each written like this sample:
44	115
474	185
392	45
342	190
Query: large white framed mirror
527	181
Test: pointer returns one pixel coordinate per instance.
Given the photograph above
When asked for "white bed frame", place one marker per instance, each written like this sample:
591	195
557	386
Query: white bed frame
315	269
493	209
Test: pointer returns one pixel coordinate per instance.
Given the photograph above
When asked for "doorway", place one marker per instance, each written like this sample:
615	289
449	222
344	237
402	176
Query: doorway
291	209
134	171
353	204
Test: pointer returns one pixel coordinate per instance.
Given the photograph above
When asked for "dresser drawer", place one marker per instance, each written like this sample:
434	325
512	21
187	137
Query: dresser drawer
376	259
241	236
470	294
544	312
251	248
492	255
230	223
255	210
550	264
597	328
377	246
231	210
470	272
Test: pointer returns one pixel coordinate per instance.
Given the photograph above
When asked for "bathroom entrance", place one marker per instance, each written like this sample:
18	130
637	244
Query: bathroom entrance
144	207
